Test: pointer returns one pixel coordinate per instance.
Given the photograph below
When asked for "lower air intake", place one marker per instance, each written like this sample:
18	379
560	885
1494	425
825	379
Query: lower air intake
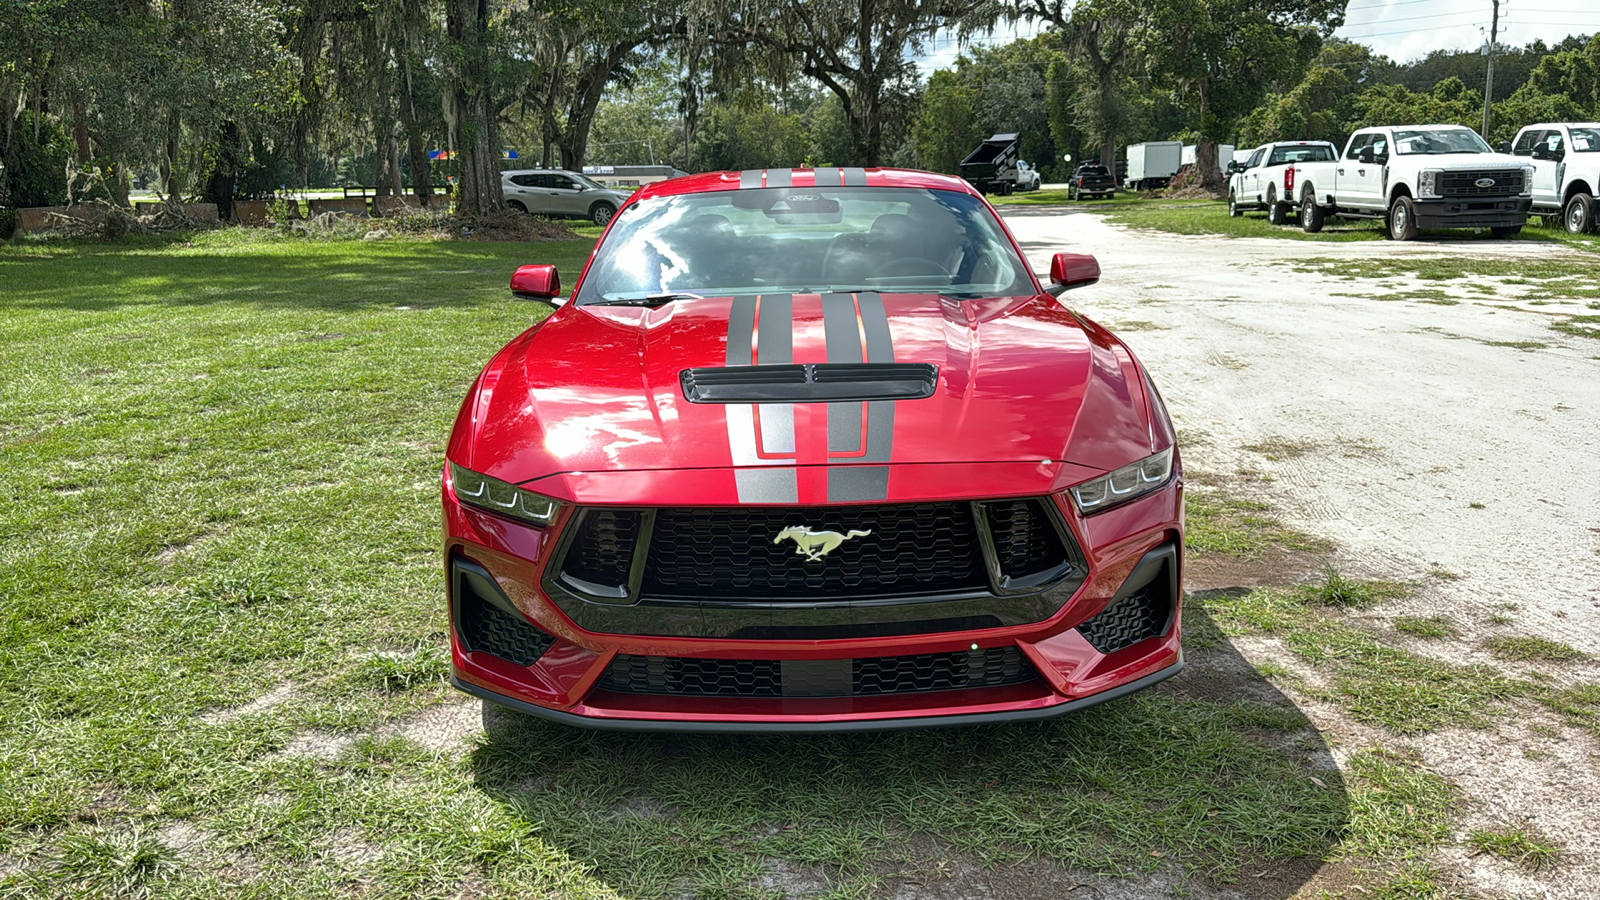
1140	615
486	627
874	676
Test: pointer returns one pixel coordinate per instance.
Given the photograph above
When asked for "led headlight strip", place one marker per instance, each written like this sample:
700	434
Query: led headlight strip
497	496
1126	483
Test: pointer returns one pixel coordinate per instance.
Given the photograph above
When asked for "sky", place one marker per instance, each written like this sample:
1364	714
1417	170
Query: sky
1402	30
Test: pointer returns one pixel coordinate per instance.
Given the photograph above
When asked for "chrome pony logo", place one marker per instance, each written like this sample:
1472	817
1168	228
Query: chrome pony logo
815	544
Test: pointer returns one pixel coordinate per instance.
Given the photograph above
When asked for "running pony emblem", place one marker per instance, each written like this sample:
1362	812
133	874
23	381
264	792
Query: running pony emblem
815	544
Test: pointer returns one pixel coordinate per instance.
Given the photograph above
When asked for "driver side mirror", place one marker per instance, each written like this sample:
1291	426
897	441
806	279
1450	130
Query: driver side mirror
536	283
1364	155
1072	270
1503	147
1547	153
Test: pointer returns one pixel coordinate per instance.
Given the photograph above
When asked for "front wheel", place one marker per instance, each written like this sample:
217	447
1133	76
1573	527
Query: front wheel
1579	215
1507	231
1234	211
1402	219
1311	215
601	213
517	205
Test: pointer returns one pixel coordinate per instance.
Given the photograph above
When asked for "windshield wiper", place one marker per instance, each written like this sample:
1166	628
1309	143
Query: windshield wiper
650	300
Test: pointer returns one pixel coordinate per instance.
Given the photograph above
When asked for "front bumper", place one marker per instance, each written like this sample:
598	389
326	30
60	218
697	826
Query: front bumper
1501	213
569	674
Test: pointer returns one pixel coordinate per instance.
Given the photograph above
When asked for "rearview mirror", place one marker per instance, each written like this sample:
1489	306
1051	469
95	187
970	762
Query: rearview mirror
536	283
1072	270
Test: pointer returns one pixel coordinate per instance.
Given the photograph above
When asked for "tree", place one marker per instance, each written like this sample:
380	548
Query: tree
472	118
856	49
947	124
1222	58
1102	36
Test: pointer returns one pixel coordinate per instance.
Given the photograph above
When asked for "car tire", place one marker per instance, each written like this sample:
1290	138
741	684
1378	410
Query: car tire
601	214
1234	211
1578	217
1312	216
1402	220
1072	192
1506	231
517	205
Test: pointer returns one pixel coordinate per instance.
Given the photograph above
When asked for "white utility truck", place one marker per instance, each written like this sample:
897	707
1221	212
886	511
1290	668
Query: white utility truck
1265	180
1566	170
1416	176
1152	164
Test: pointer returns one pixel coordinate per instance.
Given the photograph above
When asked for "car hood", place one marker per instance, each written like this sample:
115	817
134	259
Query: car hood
598	389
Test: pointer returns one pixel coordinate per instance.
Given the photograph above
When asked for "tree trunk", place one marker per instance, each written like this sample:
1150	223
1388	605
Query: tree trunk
169	160
80	130
469	109
380	181
1205	163
393	150
421	175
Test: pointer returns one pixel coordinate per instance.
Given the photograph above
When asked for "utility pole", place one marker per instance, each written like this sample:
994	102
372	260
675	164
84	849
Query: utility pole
1488	81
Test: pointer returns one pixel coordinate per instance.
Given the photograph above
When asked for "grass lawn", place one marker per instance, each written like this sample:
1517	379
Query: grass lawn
222	641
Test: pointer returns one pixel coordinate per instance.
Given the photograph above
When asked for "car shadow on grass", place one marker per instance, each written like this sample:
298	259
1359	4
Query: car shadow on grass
1213	779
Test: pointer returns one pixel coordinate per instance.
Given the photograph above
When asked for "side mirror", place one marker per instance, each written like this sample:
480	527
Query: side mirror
536	283
1072	270
1503	147
1364	155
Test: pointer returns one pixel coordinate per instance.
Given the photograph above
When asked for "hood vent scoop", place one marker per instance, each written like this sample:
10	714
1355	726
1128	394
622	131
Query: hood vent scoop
817	383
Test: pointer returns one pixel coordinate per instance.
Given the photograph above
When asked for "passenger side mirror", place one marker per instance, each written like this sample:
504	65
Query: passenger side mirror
1503	147
1072	270
536	283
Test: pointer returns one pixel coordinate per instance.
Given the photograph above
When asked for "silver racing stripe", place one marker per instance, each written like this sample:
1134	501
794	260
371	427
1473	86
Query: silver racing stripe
780	178
848	334
761	331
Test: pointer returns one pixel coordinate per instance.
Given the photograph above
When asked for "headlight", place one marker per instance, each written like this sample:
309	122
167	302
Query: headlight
1428	183
1527	181
1126	483
497	496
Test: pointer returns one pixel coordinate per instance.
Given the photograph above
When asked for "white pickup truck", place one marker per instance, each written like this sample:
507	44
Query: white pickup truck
1266	179
1566	170
1417	176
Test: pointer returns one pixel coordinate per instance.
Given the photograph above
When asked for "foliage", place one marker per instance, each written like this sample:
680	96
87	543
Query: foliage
34	170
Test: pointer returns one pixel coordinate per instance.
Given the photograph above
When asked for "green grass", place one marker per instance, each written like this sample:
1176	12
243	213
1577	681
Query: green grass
1426	627
1336	590
1063	197
222	608
1216	523
1524	648
1517	844
1210	217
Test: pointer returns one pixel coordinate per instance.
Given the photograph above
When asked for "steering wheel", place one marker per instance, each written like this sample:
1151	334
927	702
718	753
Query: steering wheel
912	265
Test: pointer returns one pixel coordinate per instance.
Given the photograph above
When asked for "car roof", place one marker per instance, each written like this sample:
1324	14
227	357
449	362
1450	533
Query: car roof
1435	127
804	178
1561	125
538	172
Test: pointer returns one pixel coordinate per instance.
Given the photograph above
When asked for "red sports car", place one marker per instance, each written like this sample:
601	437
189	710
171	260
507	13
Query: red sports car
811	450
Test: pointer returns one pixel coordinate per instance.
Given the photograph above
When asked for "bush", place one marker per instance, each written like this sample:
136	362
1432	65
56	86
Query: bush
35	171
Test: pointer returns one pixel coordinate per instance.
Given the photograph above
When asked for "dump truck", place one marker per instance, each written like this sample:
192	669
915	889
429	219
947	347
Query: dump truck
992	168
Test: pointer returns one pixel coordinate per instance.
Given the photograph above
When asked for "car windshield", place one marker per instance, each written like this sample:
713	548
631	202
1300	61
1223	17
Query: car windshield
1432	143
1314	153
1586	140
805	240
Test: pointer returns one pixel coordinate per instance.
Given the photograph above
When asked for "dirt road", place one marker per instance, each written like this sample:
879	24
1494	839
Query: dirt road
1450	445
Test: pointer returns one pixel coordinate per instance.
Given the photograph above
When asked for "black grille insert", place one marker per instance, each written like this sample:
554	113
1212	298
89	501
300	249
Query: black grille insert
1142	614
1025	539
735	554
486	627
600	557
1507	183
962	670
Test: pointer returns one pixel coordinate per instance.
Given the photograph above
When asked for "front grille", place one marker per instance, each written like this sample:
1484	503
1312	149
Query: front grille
732	554
699	677
1142	614
1507	183
941	671
601	552
963	670
490	629
1025	539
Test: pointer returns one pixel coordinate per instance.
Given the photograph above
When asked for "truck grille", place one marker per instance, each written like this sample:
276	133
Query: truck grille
874	676
1507	183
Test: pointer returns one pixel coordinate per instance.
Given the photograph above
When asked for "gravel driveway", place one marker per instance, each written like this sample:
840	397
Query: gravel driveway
1452	446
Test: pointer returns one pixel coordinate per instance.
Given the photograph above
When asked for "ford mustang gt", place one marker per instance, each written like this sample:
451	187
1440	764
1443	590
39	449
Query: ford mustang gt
811	450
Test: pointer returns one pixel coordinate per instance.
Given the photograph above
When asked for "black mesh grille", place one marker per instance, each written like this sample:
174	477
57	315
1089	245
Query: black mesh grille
731	553
702	677
764	678
602	550
1507	183
489	628
1025	540
1142	614
941	671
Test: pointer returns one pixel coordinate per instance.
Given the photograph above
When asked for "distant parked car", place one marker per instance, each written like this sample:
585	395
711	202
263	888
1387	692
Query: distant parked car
1266	179
1092	180
1566	170
557	192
